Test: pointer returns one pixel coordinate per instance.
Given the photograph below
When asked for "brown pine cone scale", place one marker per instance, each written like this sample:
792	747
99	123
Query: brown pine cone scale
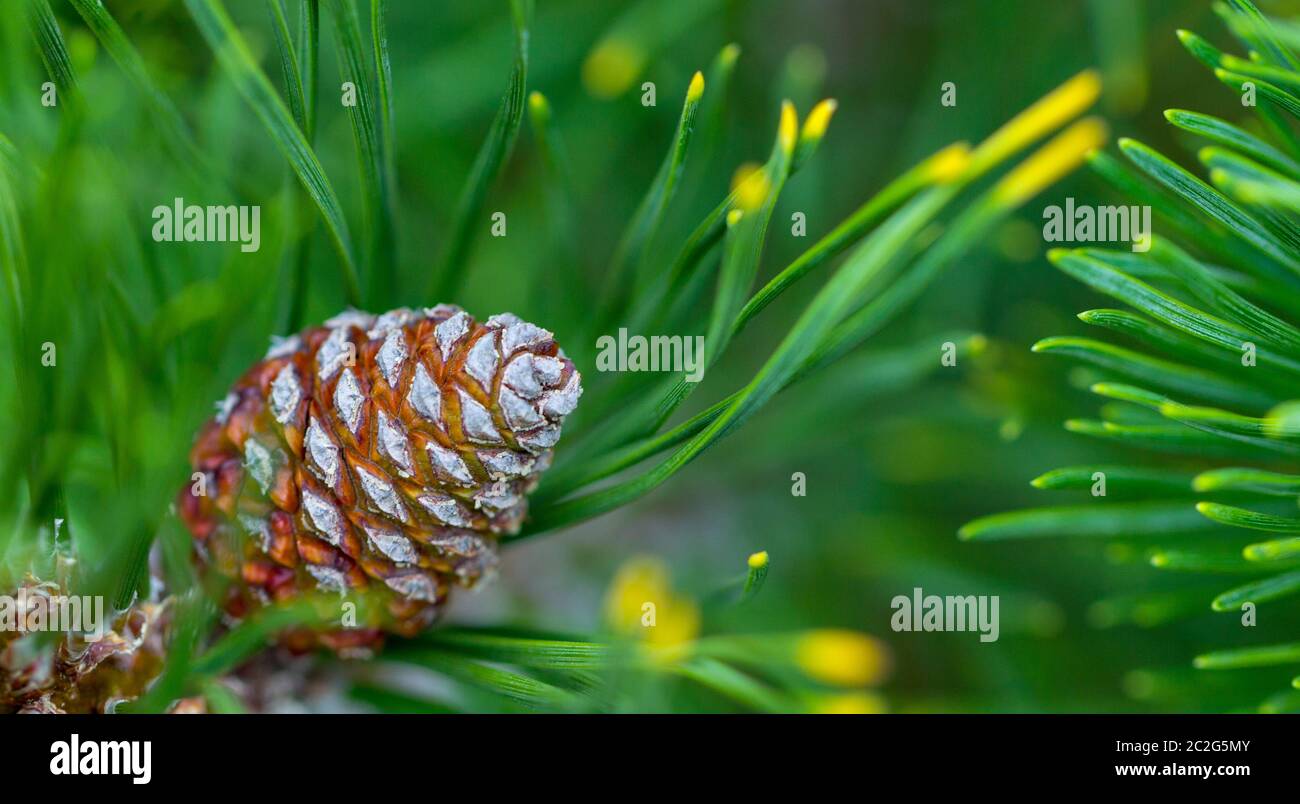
380	453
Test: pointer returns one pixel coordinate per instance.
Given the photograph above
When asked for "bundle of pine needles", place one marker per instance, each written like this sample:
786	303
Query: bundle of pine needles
1212	361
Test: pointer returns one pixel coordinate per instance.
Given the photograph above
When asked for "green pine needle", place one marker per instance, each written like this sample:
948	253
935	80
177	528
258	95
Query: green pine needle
1135	479
233	53
1097	520
1264	656
1258	592
54	52
454	265
755	576
368	117
1244	518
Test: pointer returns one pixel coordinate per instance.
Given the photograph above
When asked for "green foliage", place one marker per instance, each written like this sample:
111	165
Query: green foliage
1212	324
149	335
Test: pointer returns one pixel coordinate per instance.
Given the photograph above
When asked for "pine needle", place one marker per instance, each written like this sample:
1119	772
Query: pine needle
233	54
454	265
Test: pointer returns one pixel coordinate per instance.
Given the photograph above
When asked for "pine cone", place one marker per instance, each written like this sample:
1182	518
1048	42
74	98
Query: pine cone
77	673
384	454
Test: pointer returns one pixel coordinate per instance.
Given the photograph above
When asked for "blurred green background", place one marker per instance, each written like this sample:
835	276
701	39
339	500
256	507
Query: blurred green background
892	469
